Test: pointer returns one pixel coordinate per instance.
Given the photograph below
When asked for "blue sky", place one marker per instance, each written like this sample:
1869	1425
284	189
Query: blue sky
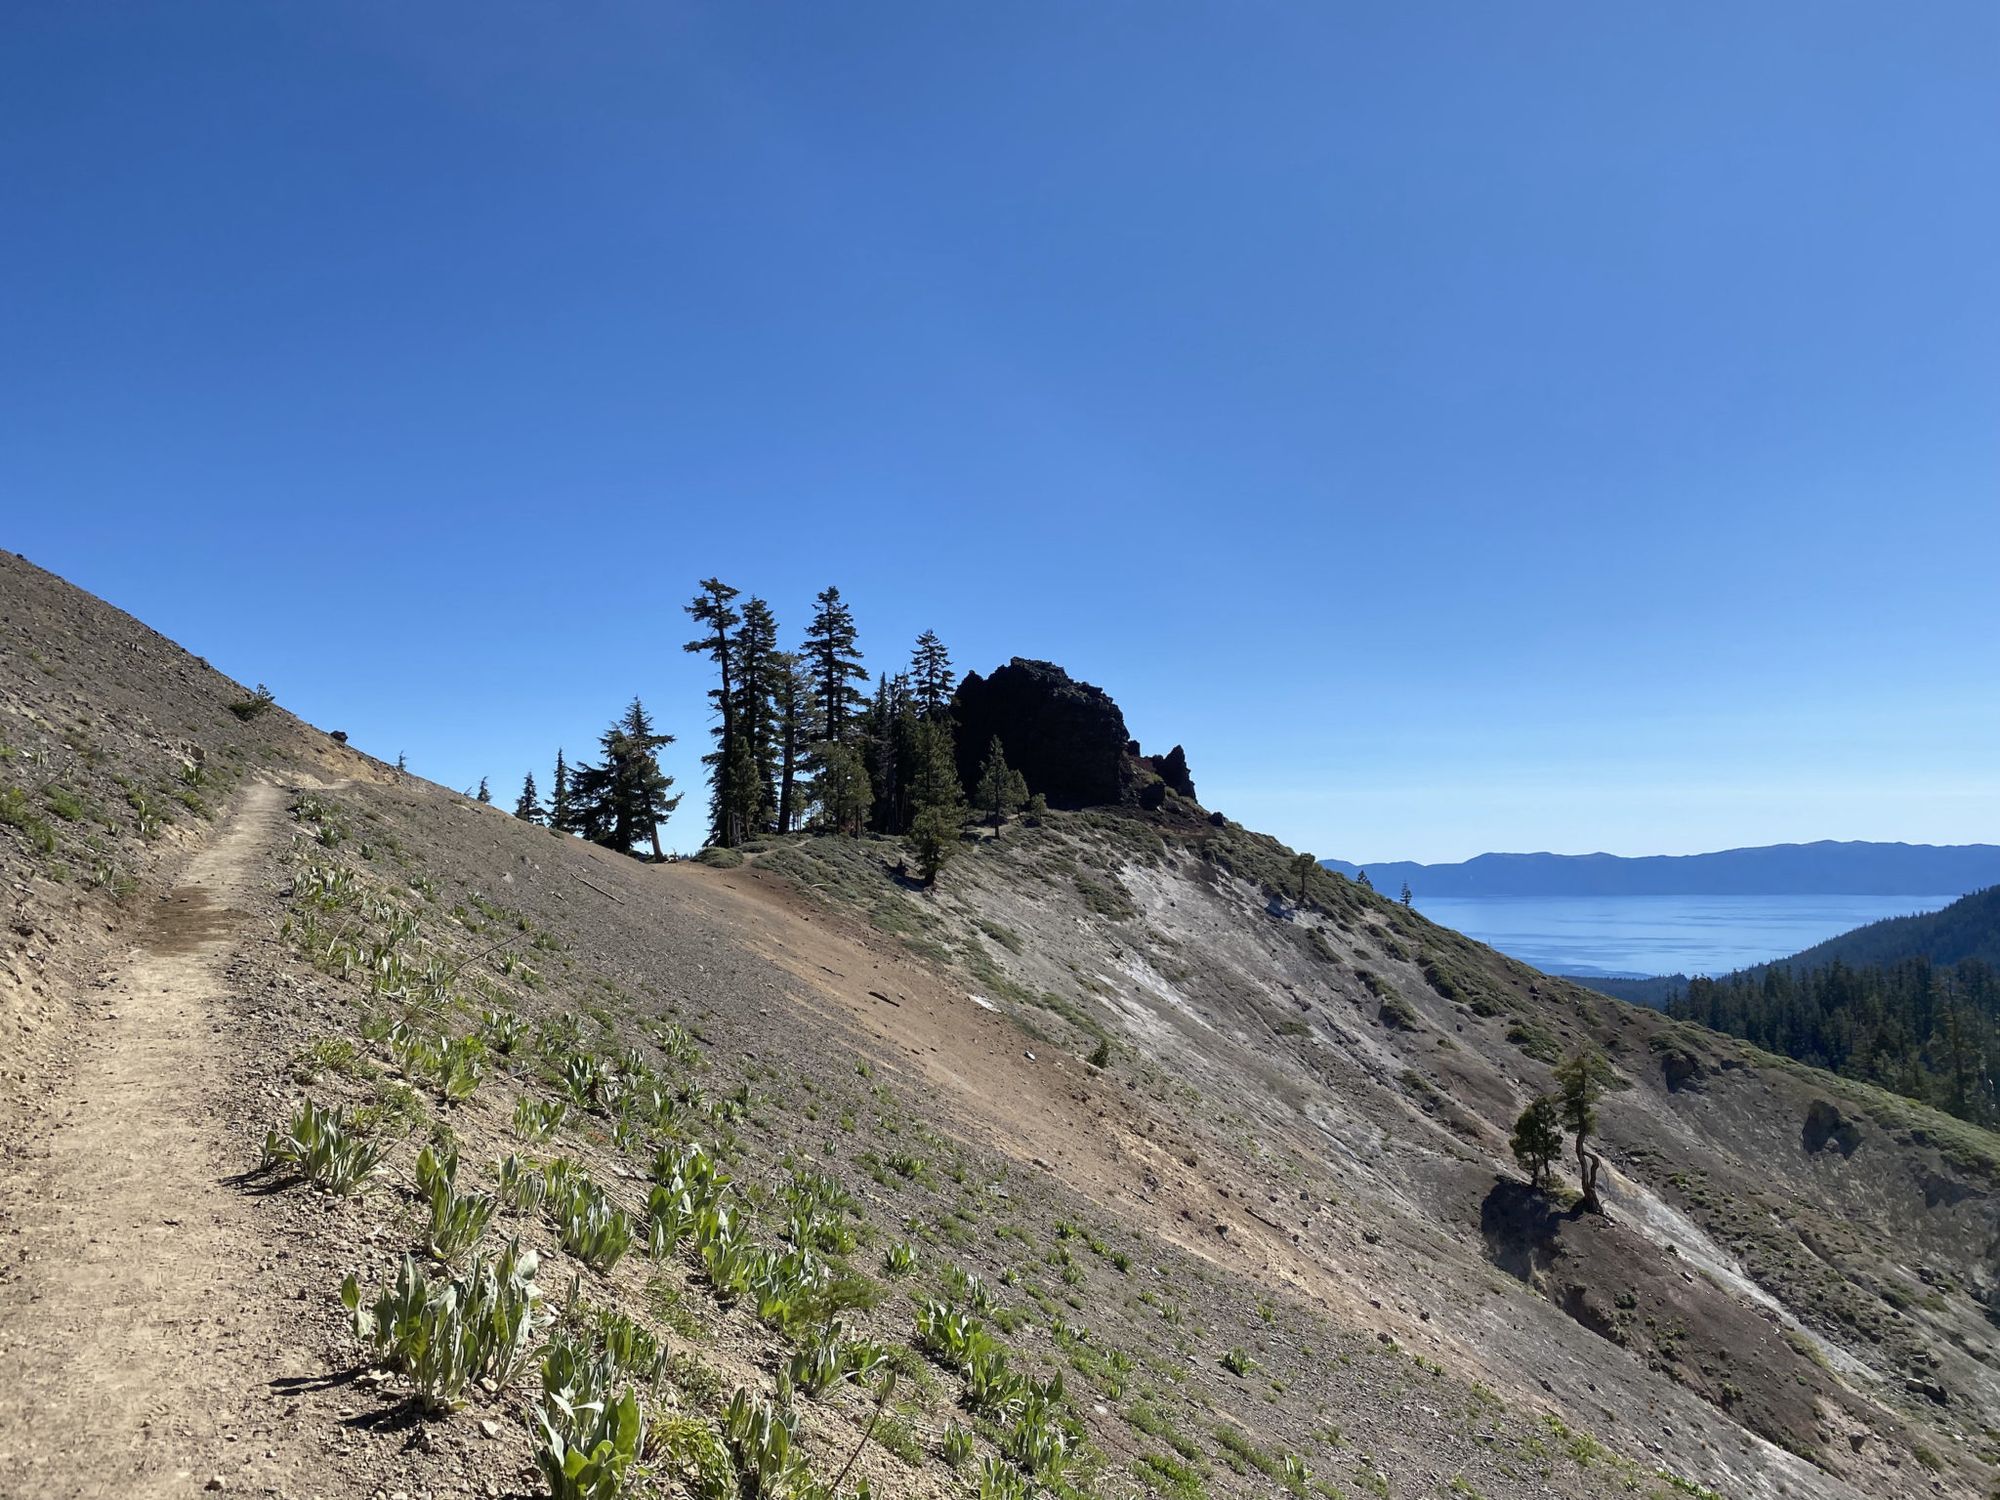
1463	427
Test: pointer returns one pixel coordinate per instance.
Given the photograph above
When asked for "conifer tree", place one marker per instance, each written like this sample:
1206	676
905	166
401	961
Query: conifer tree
1002	791
528	807
624	800
1407	897
484	794
1302	867
561	816
842	787
1538	1137
402	764
755	717
1581	1079
831	648
791	701
888	729
930	675
937	799
713	611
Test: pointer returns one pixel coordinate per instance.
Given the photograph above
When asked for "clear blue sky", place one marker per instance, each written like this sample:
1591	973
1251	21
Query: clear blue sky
1463	426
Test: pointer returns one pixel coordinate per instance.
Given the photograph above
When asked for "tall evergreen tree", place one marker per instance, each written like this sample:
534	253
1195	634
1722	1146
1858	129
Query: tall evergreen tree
937	800
561	815
791	701
528	807
713	610
831	646
757	687
888	730
930	675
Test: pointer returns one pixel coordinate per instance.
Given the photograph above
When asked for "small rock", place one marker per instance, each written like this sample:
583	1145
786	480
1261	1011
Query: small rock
216	1482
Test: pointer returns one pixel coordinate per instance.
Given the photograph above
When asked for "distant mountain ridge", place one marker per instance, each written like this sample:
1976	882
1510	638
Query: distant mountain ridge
1825	868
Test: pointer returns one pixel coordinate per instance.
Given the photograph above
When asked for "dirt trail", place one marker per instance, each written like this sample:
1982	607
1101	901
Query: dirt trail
127	1353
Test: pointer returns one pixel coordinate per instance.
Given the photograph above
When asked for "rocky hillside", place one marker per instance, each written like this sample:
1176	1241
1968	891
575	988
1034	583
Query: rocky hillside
1106	1167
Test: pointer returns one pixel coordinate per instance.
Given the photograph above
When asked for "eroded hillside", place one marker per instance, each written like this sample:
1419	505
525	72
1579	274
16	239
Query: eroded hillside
797	1125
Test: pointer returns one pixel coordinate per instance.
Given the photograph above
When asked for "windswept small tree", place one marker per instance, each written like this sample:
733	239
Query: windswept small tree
1538	1138
528	807
1002	791
1407	897
485	794
1581	1080
1302	867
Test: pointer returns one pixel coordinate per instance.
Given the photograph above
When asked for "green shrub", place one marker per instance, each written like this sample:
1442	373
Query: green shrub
324	1148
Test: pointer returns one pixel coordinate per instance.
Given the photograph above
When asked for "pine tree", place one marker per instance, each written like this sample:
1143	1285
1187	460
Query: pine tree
484	794
842	787
528	808
831	649
1581	1079
712	610
561	815
402	764
888	730
1407	897
937	799
1538	1137
1002	791
930	675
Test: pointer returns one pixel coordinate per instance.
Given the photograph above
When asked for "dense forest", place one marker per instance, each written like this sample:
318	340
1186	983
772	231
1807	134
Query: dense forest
1924	1029
1968	928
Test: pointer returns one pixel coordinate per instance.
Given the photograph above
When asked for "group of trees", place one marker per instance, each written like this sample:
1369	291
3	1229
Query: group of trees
621	801
1927	1030
797	743
1581	1080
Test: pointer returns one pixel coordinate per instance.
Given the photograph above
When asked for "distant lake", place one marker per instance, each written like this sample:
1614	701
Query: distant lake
1616	936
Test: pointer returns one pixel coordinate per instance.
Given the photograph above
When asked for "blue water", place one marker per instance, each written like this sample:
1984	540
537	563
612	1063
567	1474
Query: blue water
1613	936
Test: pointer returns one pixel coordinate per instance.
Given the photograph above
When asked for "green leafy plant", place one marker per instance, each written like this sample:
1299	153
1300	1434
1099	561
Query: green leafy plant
447	1333
899	1259
324	1147
957	1446
536	1120
591	1227
759	1434
457	1219
587	1441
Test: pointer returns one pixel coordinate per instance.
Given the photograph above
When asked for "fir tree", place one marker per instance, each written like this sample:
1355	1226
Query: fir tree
623	801
402	764
1407	897
528	807
1538	1137
791	702
937	799
484	794
561	815
930	675
835	657
713	611
757	688
888	730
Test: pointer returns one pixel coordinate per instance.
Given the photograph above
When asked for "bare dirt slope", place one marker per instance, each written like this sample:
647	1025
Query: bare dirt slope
1274	1243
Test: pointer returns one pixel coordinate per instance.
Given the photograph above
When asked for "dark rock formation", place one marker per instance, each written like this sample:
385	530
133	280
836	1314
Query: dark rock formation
1066	737
1173	769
